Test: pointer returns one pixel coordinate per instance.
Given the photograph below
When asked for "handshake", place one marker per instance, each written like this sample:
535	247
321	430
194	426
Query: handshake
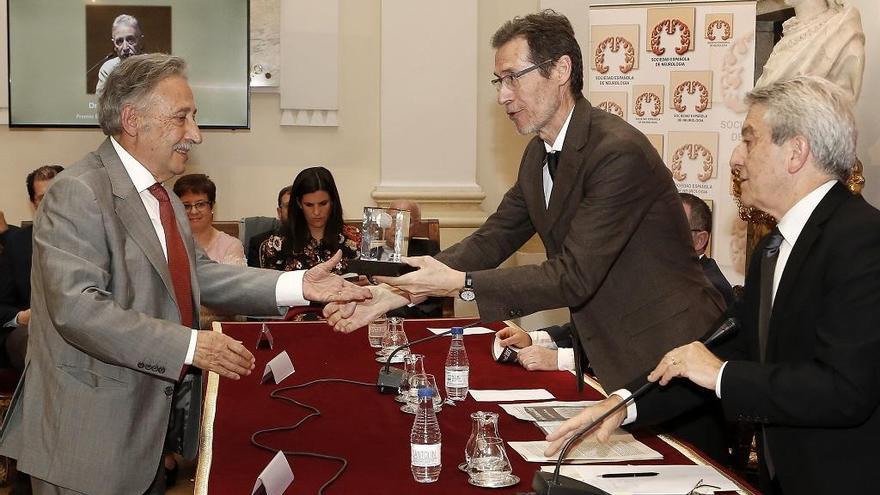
432	278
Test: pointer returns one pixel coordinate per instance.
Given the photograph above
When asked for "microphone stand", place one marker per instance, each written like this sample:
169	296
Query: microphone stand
545	483
106	58
390	378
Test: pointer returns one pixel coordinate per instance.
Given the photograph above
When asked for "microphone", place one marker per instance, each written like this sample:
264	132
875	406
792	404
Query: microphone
391	378
545	483
106	58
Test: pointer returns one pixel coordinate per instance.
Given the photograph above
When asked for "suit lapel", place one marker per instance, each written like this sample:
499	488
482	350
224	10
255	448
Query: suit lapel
571	159
800	253
133	215
531	182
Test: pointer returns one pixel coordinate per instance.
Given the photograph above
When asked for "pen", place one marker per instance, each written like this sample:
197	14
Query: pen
628	475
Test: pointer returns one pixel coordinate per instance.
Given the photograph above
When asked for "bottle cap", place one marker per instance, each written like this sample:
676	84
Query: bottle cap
426	392
457	331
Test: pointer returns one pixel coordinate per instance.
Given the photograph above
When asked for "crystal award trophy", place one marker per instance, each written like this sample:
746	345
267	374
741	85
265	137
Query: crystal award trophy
384	240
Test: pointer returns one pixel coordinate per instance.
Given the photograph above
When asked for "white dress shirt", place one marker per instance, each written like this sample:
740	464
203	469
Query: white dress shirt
557	147
288	289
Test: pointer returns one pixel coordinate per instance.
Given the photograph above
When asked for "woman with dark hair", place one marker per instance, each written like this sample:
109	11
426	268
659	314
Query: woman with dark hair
314	230
198	194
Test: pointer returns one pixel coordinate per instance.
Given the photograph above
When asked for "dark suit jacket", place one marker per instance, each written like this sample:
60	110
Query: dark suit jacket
817	394
433	306
618	246
253	254
15	273
718	280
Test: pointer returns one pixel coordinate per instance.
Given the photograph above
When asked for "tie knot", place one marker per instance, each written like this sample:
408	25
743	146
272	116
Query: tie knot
552	163
774	240
159	192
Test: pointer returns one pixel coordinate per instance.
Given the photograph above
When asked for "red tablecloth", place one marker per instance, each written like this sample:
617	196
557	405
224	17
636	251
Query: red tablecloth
356	421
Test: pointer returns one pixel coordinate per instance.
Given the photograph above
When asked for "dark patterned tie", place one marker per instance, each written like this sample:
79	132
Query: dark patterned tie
178	261
552	163
768	267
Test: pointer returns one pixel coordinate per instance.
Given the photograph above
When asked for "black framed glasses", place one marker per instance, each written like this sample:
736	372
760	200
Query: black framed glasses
511	81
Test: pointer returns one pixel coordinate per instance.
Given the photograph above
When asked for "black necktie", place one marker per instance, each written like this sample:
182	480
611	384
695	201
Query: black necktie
768	267
552	163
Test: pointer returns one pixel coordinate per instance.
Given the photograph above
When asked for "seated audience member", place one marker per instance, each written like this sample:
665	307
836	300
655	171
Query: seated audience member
198	193
700	220
550	348
433	306
314	230
5	229
15	299
253	248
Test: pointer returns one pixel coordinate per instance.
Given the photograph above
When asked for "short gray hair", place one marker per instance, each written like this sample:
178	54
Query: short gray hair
131	83
126	20
816	109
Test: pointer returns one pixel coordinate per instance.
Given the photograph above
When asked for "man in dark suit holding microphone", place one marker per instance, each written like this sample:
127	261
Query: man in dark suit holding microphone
804	364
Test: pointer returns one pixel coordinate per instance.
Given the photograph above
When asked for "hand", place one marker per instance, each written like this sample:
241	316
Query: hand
23	317
691	361
223	355
538	358
516	337
321	284
602	432
348	317
432	278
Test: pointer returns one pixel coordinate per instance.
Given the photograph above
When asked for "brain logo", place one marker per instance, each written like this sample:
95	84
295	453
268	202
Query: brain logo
670	26
717	25
615	43
611	107
694	152
691	87
648	99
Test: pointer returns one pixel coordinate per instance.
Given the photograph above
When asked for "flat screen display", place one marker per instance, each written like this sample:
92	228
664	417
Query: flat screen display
60	51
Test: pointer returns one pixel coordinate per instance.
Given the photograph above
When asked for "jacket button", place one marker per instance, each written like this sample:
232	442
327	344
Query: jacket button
141	365
161	369
169	390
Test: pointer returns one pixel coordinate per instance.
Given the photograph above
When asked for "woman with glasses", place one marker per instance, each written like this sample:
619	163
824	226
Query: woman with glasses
198	194
314	230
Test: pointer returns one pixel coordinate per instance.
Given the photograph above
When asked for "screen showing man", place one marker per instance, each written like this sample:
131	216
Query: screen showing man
127	40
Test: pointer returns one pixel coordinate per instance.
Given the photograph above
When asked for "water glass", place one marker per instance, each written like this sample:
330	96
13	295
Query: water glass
489	464
376	330
483	424
413	364
394	338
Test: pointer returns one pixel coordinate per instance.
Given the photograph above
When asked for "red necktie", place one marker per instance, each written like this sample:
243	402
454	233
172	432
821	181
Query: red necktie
178	262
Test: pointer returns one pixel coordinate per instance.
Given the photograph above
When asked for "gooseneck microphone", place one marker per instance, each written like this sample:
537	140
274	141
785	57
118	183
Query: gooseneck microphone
545	483
99	62
390	378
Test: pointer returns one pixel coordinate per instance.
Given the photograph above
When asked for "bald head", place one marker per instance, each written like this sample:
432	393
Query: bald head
415	213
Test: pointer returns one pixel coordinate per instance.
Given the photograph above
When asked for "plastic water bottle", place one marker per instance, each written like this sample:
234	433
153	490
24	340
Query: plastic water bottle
424	441
457	367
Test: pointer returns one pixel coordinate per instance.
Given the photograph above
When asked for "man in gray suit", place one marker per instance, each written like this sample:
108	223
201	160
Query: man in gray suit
117	283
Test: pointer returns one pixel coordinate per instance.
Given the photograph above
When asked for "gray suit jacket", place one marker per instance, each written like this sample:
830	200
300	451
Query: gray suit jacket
106	344
618	248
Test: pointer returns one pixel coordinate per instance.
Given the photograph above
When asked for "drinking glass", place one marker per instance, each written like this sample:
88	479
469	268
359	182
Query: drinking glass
376	330
413	364
489	464
483	424
394	338
417	381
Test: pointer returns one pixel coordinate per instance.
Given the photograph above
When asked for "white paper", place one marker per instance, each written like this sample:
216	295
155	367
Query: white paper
510	395
276	476
280	366
621	447
467	331
670	480
518	411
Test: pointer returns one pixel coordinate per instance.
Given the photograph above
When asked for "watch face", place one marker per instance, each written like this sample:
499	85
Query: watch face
467	295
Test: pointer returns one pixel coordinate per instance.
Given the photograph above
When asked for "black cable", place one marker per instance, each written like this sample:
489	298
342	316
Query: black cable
276	394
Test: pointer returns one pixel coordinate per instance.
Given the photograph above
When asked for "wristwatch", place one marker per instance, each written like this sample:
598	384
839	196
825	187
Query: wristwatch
467	292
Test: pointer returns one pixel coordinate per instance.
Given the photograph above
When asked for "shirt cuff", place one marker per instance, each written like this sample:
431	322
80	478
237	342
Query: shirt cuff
13	323
565	359
542	338
718	380
631	412
191	351
289	290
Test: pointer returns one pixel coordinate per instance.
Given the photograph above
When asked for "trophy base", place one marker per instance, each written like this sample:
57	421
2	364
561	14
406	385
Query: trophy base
382	268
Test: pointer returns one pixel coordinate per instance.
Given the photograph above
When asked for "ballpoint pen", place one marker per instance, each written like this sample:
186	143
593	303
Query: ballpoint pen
628	475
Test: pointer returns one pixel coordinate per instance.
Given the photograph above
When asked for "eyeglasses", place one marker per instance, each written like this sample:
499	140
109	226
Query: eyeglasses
198	206
511	81
703	489
130	39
